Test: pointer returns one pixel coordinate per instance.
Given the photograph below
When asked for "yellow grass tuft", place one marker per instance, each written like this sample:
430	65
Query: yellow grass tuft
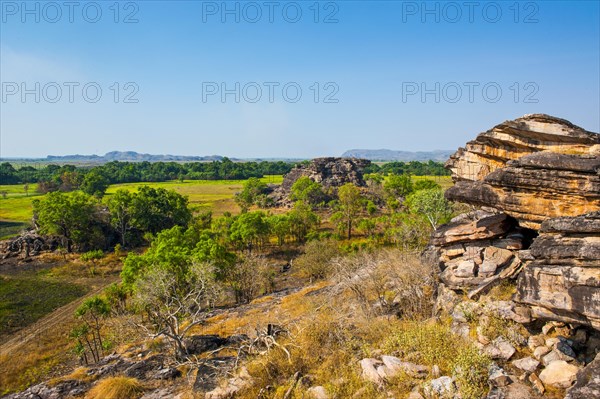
116	388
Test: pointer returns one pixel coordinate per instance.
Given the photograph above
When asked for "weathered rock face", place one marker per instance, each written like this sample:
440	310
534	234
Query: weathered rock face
329	172
510	140
537	187
533	168
477	248
563	280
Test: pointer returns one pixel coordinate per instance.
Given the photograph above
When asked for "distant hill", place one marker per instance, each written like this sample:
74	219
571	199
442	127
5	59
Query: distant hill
391	155
130	156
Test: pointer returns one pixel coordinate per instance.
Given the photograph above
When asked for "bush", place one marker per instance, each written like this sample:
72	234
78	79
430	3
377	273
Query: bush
250	278
387	281
315	263
116	388
434	344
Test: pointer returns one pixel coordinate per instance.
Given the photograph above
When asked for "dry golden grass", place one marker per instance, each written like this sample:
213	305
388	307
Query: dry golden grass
116	388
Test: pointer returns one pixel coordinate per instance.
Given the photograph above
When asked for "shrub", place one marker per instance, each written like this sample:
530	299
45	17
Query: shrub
315	263
116	388
434	344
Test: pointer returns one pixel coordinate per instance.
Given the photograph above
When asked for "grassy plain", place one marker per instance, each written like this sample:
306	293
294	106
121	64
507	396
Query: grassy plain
215	195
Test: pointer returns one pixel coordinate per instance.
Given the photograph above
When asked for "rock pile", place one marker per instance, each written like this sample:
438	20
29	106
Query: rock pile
329	172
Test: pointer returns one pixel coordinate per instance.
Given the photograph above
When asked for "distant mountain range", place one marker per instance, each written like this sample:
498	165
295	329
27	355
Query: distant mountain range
130	156
391	155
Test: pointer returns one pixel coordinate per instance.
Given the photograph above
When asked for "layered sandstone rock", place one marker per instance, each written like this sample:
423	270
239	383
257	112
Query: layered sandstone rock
477	248
563	280
510	140
537	187
533	168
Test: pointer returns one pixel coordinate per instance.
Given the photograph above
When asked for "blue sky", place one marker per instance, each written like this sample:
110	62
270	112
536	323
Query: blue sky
375	58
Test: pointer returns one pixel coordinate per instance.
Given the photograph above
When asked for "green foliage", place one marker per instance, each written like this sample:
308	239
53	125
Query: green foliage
398	186
156	209
94	183
434	344
71	216
308	191
426	184
431	204
253	193
91	312
119	206
249	230
92	255
303	221
175	250
349	206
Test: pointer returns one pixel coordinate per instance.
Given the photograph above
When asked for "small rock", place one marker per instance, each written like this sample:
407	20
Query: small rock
559	374
435	371
440	387
396	366
540	351
498	377
565	348
537	383
369	370
415	395
547	328
168	373
461	329
500	349
317	392
551	342
465	269
534	341
528	364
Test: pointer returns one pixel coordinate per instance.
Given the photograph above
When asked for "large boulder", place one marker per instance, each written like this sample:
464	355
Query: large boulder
533	168
563	280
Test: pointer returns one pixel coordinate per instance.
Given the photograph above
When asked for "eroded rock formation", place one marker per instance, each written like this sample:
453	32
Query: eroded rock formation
563	280
534	175
329	172
533	168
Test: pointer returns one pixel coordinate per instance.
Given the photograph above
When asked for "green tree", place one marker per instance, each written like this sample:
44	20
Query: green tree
119	206
280	226
252	192
306	190
156	209
349	207
249	230
70	216
426	184
398	186
94	183
431	204
302	221
92	312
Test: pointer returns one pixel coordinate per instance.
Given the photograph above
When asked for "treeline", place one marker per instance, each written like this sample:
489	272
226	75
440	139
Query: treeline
415	168
70	177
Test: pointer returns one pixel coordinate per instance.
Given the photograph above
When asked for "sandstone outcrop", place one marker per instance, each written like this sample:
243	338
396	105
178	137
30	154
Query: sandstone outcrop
329	172
538	178
537	187
563	280
478	248
533	168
